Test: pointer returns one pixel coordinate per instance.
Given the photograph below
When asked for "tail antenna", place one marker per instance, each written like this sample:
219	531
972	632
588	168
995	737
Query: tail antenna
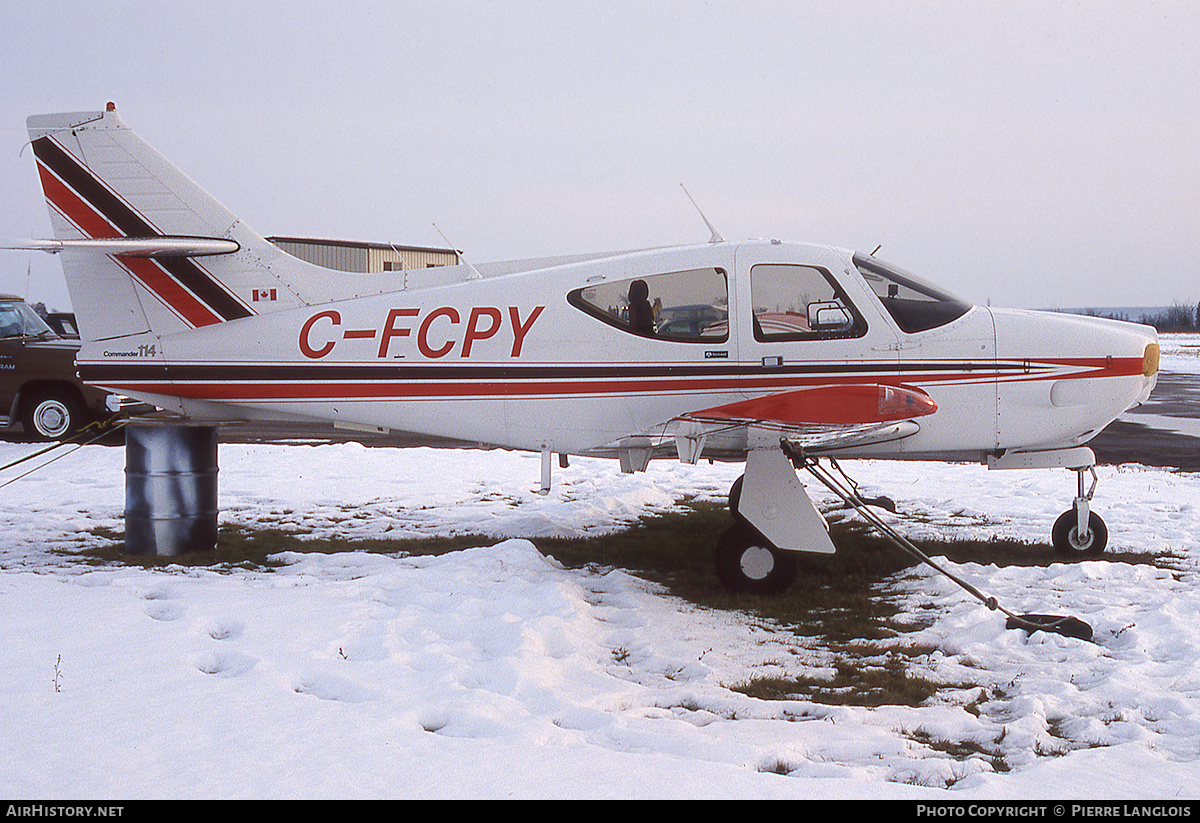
716	236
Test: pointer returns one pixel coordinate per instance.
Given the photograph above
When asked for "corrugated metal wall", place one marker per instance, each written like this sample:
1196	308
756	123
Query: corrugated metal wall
363	257
413	258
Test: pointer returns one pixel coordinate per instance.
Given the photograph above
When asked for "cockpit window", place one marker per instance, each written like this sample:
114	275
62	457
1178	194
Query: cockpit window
800	303
687	306
914	304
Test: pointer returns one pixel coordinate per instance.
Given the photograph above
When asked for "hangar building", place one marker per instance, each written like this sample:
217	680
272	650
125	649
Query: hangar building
349	255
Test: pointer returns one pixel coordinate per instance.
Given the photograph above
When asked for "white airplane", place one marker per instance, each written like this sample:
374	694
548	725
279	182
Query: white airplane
769	352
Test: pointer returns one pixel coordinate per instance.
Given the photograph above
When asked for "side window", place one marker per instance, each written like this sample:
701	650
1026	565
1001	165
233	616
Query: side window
688	306
800	303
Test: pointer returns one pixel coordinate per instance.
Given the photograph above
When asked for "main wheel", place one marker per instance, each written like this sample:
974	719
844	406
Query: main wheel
51	414
735	496
1066	540
746	562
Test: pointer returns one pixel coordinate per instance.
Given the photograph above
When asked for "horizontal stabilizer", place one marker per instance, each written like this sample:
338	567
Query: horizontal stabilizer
132	246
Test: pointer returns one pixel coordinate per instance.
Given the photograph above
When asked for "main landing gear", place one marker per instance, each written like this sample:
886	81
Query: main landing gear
773	519
746	561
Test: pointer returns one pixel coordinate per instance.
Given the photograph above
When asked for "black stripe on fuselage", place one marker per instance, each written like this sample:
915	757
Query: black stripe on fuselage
303	372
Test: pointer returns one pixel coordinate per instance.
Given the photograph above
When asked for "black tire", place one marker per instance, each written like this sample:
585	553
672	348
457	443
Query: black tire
735	496
746	562
52	414
1065	536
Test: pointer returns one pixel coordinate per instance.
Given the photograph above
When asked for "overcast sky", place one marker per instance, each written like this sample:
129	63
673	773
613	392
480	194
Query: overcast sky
1031	154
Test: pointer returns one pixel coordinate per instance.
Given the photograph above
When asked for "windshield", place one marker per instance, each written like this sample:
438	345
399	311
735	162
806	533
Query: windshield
914	304
17	319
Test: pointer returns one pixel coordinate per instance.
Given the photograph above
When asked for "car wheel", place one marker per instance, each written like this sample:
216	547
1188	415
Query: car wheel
52	415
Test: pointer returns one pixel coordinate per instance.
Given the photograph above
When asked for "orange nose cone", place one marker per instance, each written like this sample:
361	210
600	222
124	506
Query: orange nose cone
1150	360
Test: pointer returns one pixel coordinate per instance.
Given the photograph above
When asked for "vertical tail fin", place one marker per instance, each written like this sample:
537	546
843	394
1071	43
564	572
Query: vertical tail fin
102	182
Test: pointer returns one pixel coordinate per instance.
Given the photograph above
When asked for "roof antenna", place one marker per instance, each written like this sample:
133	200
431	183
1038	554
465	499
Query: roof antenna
475	275
716	237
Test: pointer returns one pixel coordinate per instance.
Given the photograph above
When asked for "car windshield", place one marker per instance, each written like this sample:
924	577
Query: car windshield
17	319
914	304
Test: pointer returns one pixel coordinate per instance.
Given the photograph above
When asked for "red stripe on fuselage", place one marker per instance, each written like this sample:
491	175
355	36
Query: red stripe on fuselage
417	389
412	391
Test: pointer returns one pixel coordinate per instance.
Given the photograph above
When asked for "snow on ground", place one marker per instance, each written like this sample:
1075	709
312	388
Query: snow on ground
496	672
1180	356
1180	353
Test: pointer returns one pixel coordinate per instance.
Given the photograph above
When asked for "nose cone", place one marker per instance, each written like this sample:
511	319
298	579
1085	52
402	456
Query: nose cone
1062	378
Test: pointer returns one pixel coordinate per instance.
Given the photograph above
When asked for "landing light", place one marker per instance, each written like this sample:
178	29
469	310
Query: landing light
901	401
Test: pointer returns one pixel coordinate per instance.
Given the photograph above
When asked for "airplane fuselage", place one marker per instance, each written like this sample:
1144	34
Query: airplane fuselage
548	358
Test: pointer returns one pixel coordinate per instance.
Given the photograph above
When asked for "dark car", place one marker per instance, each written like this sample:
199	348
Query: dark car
39	388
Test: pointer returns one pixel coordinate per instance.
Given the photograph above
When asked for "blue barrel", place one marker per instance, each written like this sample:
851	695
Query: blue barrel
170	488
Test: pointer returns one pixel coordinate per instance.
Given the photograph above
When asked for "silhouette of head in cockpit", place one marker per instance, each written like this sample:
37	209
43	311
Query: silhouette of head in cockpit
641	314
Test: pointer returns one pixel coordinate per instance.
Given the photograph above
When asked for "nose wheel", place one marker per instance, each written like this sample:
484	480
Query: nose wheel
1079	532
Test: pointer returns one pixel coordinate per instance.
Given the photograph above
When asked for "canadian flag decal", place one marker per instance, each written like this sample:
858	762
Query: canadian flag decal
263	294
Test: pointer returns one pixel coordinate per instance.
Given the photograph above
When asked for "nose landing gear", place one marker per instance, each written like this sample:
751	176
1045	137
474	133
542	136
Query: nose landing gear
1079	531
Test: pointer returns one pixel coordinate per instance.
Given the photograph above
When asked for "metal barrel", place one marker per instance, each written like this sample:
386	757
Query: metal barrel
170	488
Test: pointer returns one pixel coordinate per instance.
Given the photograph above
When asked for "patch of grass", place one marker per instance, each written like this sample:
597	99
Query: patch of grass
967	749
833	596
854	683
779	767
240	547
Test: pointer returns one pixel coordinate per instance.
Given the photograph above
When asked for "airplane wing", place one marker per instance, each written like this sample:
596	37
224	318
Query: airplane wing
866	434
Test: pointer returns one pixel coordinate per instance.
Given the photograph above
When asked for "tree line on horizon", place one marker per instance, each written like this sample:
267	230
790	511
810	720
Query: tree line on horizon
1176	318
